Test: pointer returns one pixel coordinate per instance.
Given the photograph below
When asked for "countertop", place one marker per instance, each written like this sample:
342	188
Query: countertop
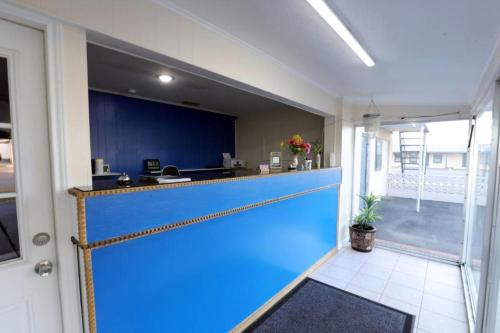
109	186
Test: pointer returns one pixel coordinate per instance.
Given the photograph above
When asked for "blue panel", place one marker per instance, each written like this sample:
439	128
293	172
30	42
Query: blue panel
115	215
125	131
210	276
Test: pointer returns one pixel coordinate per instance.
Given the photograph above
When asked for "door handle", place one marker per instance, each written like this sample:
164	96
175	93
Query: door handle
43	268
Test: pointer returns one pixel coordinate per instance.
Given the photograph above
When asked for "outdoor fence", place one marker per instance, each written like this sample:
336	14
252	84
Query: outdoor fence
441	187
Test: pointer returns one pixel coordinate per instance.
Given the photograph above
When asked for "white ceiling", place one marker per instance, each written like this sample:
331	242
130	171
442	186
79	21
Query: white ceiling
117	72
427	52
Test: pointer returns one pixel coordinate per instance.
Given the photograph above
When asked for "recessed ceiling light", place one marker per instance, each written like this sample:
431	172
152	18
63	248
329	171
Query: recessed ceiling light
165	78
333	21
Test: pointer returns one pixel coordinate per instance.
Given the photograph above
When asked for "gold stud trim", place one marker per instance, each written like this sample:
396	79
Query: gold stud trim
78	193
185	223
81	218
89	290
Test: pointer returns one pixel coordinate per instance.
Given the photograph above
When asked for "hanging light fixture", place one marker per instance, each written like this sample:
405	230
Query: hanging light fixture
371	119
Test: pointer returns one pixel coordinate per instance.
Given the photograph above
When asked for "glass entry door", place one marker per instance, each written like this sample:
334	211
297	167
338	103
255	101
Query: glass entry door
481	148
482	244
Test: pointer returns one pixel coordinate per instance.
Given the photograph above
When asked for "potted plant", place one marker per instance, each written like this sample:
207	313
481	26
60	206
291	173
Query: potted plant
362	231
317	149
297	147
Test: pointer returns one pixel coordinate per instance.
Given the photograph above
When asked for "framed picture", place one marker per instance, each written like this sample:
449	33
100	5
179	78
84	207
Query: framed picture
275	161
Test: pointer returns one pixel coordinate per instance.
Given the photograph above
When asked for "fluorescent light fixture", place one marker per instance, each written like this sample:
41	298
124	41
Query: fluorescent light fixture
165	78
329	16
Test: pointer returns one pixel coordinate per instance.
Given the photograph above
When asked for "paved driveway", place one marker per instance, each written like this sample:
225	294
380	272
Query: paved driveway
438	226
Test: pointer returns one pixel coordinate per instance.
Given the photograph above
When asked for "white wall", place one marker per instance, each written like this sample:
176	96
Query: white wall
174	34
347	164
260	133
70	149
377	180
339	140
356	169
76	106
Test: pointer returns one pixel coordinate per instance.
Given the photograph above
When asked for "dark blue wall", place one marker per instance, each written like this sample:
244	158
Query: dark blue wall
125	131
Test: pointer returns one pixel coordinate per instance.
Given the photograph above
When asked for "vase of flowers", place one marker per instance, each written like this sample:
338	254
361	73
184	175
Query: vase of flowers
297	147
317	149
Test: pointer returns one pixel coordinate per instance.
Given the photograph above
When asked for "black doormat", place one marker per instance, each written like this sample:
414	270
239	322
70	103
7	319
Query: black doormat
316	307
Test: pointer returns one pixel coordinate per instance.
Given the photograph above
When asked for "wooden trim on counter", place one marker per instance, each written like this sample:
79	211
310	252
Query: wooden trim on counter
282	293
81	219
79	193
89	290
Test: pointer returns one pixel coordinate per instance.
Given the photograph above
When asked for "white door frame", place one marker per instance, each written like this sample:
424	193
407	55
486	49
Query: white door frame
64	215
490	272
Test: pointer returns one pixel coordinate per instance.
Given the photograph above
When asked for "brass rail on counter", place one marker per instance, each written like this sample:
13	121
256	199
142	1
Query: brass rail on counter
181	224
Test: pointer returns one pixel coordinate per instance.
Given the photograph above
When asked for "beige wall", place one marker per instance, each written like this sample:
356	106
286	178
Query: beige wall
454	161
260	133
431	163
450	160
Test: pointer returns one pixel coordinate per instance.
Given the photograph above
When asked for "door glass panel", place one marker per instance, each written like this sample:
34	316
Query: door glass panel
9	233
480	173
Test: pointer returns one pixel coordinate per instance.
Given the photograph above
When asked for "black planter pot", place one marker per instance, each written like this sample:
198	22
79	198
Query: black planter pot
362	239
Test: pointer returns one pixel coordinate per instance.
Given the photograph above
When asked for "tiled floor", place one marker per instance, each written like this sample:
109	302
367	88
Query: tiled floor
430	290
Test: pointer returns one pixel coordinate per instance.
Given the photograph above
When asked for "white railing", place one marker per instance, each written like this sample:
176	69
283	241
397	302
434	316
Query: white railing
446	188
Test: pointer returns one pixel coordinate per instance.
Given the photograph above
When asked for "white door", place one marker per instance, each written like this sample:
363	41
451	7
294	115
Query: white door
29	300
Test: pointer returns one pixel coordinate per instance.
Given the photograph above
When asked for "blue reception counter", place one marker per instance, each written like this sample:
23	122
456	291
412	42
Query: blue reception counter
201	256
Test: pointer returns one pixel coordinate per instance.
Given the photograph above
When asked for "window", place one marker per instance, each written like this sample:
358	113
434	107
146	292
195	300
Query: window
413	157
9	235
397	157
437	158
464	160
378	155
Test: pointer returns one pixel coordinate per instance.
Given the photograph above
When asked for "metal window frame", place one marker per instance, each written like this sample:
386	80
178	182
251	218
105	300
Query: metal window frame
489	288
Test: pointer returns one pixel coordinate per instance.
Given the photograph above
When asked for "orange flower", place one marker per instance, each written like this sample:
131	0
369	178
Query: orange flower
297	139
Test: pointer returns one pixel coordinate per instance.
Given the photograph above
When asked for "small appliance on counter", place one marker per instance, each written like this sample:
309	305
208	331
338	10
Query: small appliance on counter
164	179
152	167
99	166
229	162
124	180
264	169
101	169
